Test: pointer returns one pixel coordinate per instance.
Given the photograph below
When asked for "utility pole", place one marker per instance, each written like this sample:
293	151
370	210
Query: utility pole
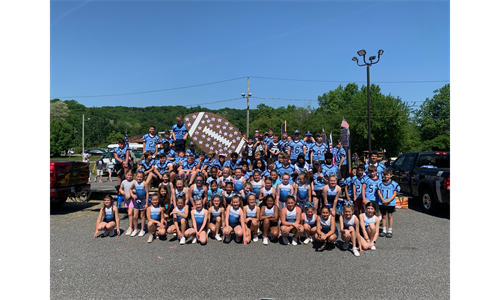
83	137
248	95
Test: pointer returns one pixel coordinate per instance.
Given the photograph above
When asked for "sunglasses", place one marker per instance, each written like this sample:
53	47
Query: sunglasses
199	180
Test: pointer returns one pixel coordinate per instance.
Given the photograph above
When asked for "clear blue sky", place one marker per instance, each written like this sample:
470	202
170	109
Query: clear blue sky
115	47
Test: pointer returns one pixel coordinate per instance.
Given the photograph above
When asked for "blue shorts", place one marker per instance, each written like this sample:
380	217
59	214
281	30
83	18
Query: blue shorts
139	204
326	231
198	226
232	225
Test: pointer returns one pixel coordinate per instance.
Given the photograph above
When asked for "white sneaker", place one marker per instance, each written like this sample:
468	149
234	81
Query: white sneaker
259	231
217	237
134	233
183	241
306	241
285	240
373	248
255	238
150	239
265	240
175	234
355	251
129	231
208	231
142	233
194	241
294	241
228	239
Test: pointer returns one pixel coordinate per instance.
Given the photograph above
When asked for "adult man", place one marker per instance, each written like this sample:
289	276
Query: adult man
372	161
341	159
180	134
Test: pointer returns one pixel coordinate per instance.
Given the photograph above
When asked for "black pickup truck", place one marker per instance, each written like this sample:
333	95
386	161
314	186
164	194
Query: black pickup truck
425	176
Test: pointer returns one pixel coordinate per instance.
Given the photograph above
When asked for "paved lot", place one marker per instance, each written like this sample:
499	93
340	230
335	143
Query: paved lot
414	264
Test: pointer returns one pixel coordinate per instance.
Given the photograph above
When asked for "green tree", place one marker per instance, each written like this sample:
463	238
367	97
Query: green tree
58	110
61	136
433	119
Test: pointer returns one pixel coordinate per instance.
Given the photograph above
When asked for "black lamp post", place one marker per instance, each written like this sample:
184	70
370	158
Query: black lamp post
368	64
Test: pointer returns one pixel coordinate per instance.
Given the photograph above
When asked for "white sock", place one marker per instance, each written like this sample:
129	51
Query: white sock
384	230
390	230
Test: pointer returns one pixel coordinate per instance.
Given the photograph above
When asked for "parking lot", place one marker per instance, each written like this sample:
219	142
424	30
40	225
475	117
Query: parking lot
414	264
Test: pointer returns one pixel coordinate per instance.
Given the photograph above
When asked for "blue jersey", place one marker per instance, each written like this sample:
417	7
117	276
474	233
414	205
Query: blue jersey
210	179
349	183
319	151
179	160
284	145
147	165
329	170
319	183
285	190
203	163
387	190
238	162
309	146
214	163
358	184
274	147
230	164
169	140
380	169
187	166
121	153
371	188
170	153
296	147
338	156
191	152
282	170
162	167
151	142
179	131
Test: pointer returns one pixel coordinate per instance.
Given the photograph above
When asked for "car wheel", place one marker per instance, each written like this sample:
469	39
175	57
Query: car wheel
428	202
56	202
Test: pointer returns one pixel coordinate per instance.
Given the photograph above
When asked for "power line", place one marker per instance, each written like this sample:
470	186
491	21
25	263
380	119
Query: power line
154	91
214	102
338	101
260	77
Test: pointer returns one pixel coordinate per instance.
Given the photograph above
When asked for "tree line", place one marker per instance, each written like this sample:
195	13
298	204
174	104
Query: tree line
396	126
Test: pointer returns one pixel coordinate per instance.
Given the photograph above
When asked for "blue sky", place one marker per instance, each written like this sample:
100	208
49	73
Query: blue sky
118	47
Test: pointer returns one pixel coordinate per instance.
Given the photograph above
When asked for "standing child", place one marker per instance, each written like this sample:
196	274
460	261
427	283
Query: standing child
269	216
217	214
110	167
128	199
156	219
350	189
199	215
369	227
252	217
198	191
213	191
140	194
179	213
358	186
349	229
266	191
180	190
285	189
239	180
370	187
303	190
326	229
165	200
256	182
309	222
274	178
235	220
387	191
108	218
317	184
290	221
331	193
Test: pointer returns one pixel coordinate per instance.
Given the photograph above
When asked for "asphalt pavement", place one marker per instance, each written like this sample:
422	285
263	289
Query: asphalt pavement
414	264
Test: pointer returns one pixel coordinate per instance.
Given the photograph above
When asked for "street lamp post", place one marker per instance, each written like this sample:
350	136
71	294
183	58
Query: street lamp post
248	95
83	136
368	65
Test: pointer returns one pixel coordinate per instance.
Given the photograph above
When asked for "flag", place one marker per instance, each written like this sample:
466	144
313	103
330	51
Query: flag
331	142
344	123
325	140
283	128
126	139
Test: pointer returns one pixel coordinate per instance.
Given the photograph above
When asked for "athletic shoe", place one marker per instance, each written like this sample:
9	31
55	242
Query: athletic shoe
182	241
142	233
255	238
259	231
388	235
228	239
285	240
265	240
306	241
217	237
174	234
194	241
112	233
373	248
294	241
355	251
105	233
312	239
150	239
208	232
237	239
129	231
135	232
382	234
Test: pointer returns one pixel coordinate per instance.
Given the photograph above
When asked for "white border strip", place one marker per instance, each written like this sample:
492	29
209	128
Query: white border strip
195	124
242	142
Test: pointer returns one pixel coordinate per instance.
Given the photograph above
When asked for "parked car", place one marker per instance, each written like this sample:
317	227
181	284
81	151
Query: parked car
68	179
425	176
96	151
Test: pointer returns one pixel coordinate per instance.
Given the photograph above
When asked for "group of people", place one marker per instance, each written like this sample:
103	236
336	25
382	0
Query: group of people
277	188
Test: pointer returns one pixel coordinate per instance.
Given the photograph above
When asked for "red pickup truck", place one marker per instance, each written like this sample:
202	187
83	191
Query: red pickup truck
69	179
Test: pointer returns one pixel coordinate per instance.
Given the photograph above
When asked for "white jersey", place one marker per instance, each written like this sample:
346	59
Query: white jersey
291	216
251	213
325	223
369	221
311	221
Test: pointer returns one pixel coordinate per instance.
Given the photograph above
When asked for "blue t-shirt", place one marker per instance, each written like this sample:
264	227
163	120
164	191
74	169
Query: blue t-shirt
282	170
380	169
179	131
319	151
151	142
371	188
296	147
387	190
121	153
340	153
358	184
328	170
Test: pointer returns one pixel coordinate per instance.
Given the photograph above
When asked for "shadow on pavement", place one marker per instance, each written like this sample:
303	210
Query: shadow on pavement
442	211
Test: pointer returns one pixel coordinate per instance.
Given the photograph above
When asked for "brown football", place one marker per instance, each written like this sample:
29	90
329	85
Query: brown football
214	133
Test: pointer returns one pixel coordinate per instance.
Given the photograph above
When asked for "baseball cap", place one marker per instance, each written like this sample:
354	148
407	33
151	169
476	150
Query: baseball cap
308	133
296	131
316	161
191	144
222	154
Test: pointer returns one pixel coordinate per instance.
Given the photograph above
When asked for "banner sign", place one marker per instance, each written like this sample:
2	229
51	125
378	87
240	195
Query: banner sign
344	135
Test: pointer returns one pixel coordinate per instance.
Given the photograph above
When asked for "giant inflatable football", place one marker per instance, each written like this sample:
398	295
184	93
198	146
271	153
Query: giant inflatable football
214	133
